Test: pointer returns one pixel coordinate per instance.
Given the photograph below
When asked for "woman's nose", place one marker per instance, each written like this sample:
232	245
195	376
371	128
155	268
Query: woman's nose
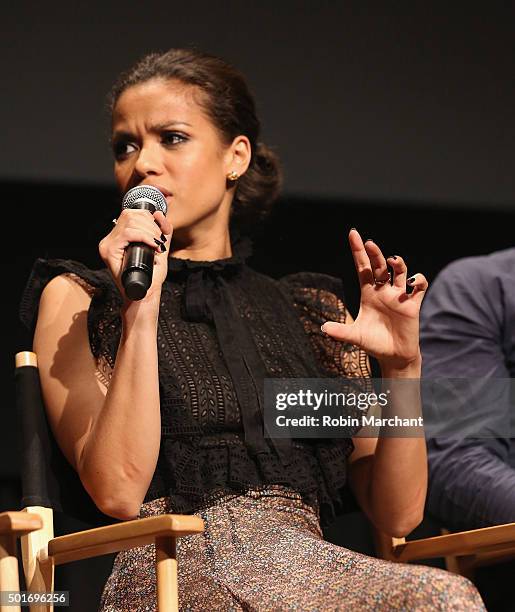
148	162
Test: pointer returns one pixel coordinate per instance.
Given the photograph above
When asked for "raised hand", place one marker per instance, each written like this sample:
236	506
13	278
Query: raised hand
387	325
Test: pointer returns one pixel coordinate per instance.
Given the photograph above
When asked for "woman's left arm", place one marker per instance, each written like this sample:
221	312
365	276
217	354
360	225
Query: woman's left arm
387	474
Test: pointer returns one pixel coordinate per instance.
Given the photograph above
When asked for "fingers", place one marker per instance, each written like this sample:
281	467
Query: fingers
164	223
361	259
137	235
372	267
145	216
377	260
135	225
369	260
341	331
399	269
144	219
419	283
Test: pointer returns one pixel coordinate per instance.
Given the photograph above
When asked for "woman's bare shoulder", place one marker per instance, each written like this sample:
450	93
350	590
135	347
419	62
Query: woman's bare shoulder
67	367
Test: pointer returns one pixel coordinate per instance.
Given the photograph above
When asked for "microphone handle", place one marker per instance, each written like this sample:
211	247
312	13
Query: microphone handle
138	263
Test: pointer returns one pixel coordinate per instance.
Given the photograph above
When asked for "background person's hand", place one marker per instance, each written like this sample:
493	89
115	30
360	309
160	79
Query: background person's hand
135	225
387	325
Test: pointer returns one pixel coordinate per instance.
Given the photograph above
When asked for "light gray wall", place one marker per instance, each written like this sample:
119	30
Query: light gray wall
358	99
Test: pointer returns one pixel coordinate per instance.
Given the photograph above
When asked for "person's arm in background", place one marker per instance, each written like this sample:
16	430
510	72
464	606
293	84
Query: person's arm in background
465	333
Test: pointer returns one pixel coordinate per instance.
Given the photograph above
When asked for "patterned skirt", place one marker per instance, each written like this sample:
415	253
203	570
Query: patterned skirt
263	551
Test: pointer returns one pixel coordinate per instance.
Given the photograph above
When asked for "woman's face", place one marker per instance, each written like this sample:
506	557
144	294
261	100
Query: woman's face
162	137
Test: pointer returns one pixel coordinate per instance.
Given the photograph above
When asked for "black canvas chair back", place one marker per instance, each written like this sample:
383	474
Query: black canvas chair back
47	478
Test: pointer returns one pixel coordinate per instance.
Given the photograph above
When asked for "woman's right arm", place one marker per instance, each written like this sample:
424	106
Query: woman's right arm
111	436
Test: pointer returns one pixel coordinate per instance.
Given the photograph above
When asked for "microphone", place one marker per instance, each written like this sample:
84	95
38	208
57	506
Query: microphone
138	261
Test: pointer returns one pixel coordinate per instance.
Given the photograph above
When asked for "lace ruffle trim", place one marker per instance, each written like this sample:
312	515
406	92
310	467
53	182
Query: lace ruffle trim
317	471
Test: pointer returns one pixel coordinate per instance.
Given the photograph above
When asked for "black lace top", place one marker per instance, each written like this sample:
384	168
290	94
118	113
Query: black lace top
223	327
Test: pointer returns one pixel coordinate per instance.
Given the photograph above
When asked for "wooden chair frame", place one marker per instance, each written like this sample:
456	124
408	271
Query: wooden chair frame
41	551
463	551
12	526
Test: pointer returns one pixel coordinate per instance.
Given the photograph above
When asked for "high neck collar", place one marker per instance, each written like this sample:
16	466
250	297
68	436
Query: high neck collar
241	248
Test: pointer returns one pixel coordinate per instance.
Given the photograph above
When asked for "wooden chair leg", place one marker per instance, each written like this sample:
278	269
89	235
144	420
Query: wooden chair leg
166	575
461	566
9	578
37	566
458	565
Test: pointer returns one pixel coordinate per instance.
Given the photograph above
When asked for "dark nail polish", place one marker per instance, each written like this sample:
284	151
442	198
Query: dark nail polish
163	238
158	242
392	257
411	280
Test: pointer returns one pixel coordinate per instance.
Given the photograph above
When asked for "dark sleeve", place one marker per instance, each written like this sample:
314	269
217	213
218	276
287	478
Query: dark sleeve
319	298
471	482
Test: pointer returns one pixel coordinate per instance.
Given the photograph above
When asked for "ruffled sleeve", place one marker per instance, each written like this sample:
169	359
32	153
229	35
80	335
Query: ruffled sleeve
318	298
103	315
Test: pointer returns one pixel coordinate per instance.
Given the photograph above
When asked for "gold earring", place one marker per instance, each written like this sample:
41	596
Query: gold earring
233	176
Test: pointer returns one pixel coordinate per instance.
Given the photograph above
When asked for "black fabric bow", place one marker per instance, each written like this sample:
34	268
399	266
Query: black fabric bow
208	298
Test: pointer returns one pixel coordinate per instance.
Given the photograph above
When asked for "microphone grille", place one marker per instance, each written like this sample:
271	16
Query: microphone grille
145	193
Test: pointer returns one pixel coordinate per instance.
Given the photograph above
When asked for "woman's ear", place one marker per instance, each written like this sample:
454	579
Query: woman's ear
239	155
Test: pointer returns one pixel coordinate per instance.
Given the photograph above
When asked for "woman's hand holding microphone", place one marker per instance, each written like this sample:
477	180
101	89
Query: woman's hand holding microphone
138	226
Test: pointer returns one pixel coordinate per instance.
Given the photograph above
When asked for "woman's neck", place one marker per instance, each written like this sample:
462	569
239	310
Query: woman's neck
207	247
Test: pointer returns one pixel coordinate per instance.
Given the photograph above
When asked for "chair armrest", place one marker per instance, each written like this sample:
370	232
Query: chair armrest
499	538
121	536
19	523
13	525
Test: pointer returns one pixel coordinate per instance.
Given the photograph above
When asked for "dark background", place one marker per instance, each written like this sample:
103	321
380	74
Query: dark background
408	101
398	120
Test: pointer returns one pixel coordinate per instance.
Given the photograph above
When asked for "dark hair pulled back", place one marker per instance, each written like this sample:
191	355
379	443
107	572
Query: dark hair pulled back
229	104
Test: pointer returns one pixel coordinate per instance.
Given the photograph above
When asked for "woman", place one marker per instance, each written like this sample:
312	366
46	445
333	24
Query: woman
175	425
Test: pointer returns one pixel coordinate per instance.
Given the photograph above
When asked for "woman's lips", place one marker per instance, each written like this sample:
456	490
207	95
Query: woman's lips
162	189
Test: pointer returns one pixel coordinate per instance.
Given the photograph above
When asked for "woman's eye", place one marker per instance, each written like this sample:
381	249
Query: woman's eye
172	138
122	149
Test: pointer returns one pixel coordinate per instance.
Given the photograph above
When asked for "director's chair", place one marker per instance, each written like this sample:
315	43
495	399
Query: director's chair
463	551
49	483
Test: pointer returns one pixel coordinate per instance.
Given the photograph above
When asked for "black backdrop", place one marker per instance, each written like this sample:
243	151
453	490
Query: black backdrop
399	100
